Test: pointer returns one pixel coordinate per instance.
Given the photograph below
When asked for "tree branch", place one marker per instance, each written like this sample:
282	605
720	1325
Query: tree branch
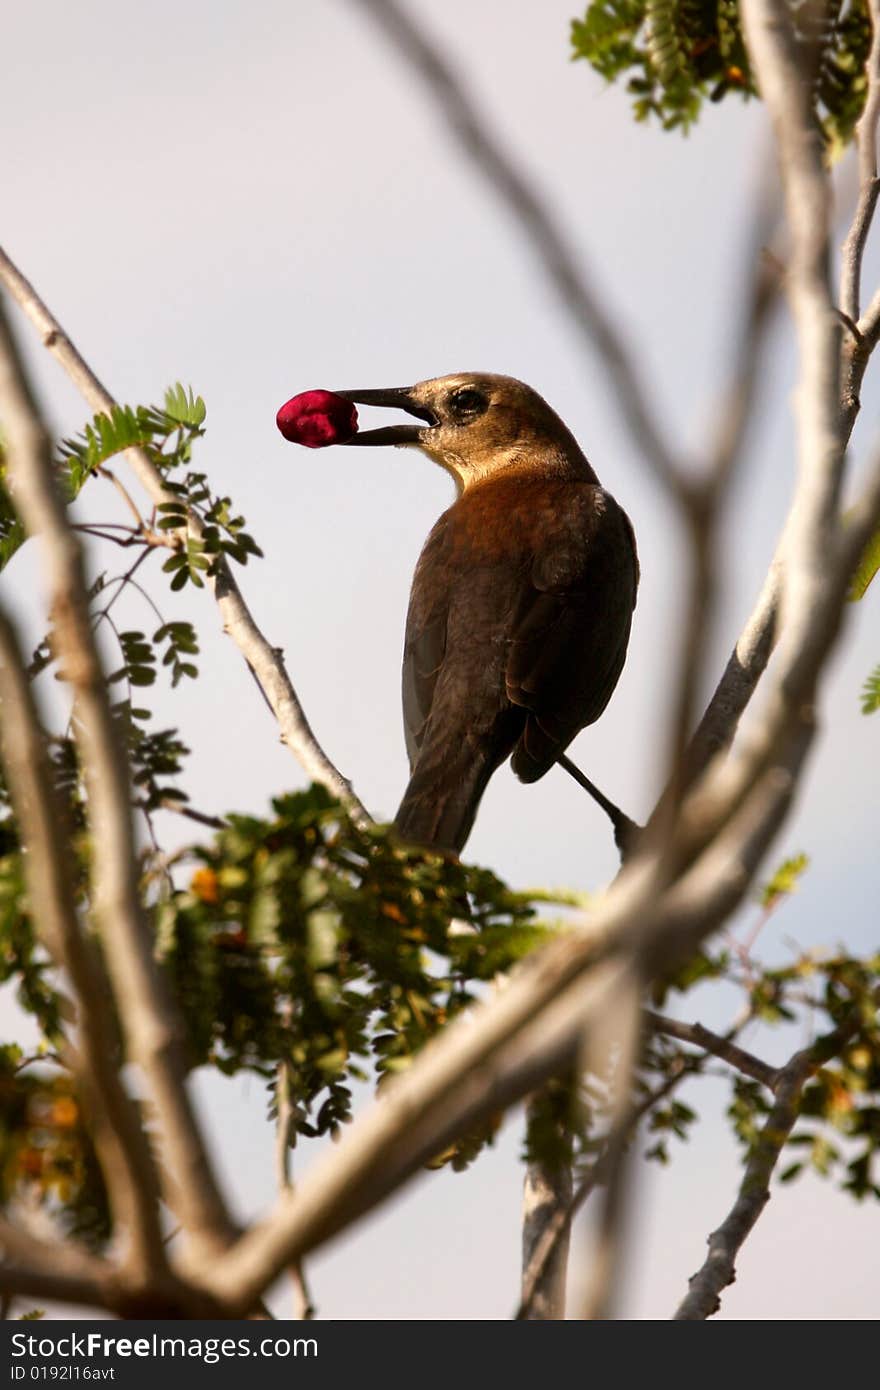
705	1287
616	1033
558	259
813	547
32	1266
304	1307
557	1227
264	660
507	1047
150	1025
547	1199
125	1157
721	1047
787	93
869	185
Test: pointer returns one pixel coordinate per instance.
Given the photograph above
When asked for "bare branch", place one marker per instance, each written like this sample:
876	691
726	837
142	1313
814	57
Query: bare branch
744	669
150	1026
718	1270
869	185
182	808
264	660
701	508
559	261
721	1047
619	1026
121	1144
559	1225
787	93
758	638
304	1307
692	749
547	1196
813	550
126	496
704	1288
32	1266
63	1271
762	280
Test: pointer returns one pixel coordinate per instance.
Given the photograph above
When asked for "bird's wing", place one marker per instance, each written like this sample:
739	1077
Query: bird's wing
425	641
570	631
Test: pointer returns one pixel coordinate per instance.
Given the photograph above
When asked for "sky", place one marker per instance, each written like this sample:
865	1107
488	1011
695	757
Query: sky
258	199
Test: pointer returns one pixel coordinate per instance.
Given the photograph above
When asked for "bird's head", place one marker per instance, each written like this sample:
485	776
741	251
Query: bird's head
475	424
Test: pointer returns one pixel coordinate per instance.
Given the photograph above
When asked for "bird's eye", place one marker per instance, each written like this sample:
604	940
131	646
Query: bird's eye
467	402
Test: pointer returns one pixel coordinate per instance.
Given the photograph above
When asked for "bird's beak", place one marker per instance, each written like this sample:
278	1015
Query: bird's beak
396	398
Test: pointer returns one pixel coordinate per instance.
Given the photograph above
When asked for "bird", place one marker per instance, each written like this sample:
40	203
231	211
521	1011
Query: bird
522	601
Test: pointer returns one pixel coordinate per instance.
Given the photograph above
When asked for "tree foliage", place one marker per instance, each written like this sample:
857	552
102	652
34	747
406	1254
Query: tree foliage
301	940
674	55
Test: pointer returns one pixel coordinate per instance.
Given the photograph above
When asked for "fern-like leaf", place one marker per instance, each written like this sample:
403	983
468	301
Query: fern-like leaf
108	434
871	692
866	570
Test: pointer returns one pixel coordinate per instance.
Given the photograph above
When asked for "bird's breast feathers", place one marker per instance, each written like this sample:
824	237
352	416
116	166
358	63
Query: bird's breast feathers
517	521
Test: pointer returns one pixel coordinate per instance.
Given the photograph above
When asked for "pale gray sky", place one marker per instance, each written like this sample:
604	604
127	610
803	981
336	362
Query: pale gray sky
257	199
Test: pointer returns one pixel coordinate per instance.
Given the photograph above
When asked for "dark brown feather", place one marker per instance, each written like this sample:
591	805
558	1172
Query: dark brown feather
516	635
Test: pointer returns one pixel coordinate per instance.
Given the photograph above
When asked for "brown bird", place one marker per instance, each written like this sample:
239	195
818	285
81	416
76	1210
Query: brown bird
522	600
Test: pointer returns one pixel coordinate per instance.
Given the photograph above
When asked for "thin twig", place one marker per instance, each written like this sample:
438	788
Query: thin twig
124	493
721	1047
718	1270
304	1307
181	808
869	185
701	513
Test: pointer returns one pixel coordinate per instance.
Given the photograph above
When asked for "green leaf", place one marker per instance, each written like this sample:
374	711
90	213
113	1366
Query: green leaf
866	570
183	407
784	880
791	1172
871	692
110	433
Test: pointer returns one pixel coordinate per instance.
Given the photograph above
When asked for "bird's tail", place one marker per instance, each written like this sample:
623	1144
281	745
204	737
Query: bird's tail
441	801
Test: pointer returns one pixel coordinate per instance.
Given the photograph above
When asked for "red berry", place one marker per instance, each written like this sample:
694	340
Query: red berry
317	418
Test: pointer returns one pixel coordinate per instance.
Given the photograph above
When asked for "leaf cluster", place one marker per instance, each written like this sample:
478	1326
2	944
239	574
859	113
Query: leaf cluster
677	54
47	1158
303	939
